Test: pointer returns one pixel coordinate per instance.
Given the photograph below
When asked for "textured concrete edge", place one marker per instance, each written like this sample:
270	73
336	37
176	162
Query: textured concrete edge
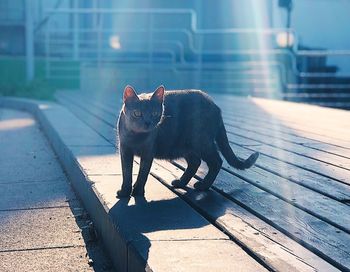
116	246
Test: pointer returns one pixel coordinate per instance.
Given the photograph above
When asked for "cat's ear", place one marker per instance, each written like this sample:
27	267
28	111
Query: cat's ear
129	94
159	94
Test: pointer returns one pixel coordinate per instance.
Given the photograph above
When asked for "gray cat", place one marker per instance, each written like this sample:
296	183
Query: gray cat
171	125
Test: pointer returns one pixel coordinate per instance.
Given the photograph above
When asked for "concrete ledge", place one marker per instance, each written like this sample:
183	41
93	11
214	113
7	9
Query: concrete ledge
160	234
45	112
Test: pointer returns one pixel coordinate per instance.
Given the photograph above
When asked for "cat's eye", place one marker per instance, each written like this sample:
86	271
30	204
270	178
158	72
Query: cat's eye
155	113
137	113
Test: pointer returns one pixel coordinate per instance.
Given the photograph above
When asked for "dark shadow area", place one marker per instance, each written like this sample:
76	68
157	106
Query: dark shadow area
96	254
137	222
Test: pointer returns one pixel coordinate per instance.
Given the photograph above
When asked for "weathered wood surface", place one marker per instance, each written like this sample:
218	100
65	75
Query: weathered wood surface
312	125
295	196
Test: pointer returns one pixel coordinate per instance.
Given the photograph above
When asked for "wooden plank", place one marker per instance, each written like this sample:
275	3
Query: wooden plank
305	129
89	118
294	113
236	128
324	169
320	184
296	131
324	208
268	242
324	118
320	237
282	134
299	131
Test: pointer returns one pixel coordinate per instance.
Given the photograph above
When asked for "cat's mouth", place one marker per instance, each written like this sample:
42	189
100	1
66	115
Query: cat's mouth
143	130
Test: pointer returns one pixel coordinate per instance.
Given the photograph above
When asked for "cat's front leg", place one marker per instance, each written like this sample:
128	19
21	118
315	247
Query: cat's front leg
127	158
145	167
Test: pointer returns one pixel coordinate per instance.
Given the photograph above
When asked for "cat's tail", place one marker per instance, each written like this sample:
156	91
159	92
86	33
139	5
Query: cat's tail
231	158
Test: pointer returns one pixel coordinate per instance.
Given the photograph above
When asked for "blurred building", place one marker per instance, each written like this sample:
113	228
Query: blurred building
236	46
12	27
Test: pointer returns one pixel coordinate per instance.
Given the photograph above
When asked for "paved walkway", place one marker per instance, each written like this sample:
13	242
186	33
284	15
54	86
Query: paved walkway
43	227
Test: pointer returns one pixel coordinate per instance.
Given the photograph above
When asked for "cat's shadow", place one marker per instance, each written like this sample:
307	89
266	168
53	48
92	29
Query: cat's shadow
142	222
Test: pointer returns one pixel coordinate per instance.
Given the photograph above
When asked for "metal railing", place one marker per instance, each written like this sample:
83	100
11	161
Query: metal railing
279	64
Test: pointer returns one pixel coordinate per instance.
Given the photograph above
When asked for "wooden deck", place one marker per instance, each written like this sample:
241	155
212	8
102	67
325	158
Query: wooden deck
291	211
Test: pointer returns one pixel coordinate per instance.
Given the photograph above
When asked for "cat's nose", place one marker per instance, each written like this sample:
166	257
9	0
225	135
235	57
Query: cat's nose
147	123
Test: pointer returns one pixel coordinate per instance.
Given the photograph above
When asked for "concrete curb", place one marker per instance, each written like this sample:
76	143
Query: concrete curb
81	184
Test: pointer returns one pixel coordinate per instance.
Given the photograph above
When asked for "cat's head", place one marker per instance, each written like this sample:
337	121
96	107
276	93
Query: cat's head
143	112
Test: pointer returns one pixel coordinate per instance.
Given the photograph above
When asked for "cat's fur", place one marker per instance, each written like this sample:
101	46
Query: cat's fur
171	125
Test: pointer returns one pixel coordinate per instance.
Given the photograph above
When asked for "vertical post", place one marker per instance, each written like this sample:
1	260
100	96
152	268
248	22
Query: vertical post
75	31
198	84
47	50
151	52
289	11
288	5
29	40
271	14
99	39
94	16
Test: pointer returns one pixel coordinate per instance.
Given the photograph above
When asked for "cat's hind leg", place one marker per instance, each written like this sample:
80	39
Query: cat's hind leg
193	163
214	162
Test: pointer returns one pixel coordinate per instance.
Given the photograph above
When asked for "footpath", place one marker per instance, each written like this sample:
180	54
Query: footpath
43	226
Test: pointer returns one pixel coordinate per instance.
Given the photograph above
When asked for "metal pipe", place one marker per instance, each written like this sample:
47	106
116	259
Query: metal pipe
29	41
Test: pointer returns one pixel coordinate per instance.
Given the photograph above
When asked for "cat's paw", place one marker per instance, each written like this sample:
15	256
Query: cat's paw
201	186
178	183
138	192
123	193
